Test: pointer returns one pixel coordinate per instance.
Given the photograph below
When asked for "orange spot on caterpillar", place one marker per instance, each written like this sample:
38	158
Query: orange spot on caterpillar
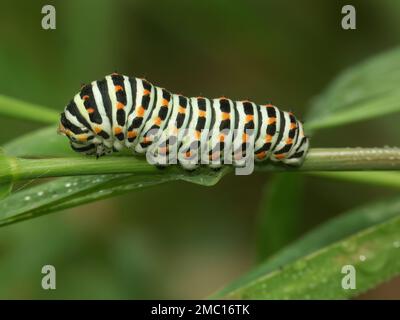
61	129
221	138
181	109
119	88
82	138
85	97
245	137
163	150
280	156
98	130
146	139
197	134
90	110
140	111
157	121
202	113
249	118
214	155
293	126
289	141
146	92
117	130
268	138
261	155
132	134
238	155
271	120
120	105
226	116
164	102
188	154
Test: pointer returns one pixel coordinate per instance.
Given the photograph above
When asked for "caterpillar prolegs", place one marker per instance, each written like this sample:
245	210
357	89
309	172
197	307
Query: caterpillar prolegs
119	111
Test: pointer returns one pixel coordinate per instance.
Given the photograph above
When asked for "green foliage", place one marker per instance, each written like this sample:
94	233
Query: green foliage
280	213
69	192
5	179
33	145
360	93
371	230
374	252
390	179
363	92
307	268
27	111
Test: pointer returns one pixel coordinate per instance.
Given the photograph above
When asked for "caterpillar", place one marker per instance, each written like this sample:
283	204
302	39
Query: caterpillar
119	112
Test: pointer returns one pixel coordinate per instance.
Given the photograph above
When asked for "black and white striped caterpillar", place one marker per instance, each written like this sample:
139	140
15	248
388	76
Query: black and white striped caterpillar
120	111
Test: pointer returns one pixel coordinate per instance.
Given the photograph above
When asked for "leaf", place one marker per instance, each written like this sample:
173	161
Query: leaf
40	143
69	192
363	92
312	244
279	218
5	178
374	254
27	111
389	179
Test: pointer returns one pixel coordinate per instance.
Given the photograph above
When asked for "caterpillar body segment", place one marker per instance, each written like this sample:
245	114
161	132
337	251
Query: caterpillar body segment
119	112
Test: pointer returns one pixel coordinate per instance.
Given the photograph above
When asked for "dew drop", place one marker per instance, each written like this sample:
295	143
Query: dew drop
40	193
27	198
362	258
68	185
396	244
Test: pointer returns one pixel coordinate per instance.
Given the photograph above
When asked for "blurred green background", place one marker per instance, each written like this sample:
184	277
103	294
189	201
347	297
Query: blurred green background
180	240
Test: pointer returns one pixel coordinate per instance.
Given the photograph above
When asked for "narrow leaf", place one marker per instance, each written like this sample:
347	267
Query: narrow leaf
26	111
363	92
330	232
373	252
69	192
389	179
280	213
5	176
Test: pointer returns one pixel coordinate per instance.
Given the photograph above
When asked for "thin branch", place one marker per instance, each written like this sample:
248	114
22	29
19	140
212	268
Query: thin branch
327	159
347	159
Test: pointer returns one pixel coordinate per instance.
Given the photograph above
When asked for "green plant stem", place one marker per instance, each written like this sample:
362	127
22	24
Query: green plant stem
329	159
27	111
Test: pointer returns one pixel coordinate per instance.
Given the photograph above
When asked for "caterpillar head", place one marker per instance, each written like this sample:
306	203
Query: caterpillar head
81	139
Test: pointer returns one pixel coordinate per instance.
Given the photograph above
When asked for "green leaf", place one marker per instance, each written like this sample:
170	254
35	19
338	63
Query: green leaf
363	92
279	219
330	235
27	111
40	143
389	179
6	180
68	192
